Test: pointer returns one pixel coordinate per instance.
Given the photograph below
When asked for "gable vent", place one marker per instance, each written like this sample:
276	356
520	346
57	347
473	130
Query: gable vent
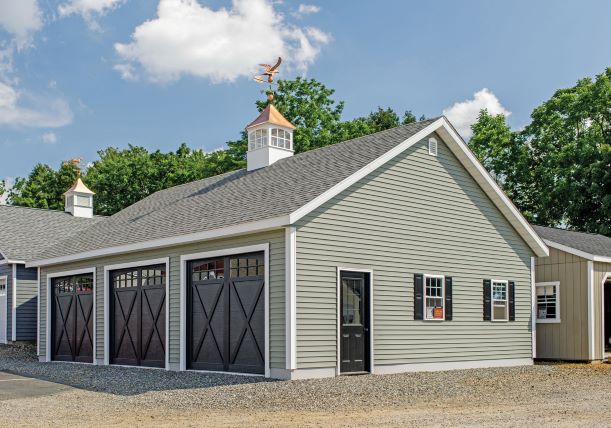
432	146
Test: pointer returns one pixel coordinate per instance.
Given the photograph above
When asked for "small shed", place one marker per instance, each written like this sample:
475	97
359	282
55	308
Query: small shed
573	292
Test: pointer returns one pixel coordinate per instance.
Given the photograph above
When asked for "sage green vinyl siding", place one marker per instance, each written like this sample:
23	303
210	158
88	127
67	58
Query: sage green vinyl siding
601	271
276	288
567	340
416	214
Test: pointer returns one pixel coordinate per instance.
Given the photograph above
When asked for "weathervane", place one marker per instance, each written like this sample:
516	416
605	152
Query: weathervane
268	76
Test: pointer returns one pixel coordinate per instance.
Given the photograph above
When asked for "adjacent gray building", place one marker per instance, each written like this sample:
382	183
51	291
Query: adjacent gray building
23	233
391	252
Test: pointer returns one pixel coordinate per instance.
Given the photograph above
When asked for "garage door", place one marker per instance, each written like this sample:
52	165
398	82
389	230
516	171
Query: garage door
72	318
226	313
137	316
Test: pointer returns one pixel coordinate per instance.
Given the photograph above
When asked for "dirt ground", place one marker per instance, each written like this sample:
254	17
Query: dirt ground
541	395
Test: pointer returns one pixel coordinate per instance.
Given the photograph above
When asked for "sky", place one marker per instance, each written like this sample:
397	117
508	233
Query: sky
77	76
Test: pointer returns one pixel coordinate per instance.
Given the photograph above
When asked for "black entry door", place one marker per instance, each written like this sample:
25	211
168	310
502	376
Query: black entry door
354	317
607	308
137	314
72	317
226	312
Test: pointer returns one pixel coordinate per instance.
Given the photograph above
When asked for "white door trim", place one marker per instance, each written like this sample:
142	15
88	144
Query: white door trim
50	276
183	294
139	263
339	314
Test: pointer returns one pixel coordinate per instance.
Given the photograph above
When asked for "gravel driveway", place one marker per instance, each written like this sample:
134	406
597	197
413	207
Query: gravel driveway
559	395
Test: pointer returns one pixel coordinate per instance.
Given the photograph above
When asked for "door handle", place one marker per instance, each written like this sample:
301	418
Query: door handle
366	329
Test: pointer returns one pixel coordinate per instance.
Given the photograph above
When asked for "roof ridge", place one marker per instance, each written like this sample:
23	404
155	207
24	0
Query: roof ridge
47	210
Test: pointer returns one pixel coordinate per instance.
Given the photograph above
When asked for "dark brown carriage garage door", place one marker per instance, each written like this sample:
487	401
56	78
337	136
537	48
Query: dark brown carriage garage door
226	313
137	314
72	317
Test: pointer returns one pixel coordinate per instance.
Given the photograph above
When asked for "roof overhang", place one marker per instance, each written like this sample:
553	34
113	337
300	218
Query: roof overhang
445	130
576	252
8	261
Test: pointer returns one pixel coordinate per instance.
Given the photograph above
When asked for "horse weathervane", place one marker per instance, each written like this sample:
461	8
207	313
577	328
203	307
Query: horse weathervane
267	76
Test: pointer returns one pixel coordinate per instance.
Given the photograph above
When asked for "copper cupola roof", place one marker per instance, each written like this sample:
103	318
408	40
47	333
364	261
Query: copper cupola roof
270	114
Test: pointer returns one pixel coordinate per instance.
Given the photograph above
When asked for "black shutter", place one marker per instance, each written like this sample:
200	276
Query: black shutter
418	296
448	301
487	300
512	298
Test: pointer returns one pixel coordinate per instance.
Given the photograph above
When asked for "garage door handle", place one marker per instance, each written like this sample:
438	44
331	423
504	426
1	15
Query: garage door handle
365	329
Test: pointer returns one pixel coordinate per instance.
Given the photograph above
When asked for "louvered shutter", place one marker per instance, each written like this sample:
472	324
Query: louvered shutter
448	298
512	298
418	296
487	300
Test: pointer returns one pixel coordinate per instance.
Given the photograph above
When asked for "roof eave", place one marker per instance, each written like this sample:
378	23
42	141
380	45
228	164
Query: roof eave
576	252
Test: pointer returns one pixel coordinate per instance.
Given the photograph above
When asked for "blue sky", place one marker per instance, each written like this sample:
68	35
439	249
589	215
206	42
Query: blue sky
79	75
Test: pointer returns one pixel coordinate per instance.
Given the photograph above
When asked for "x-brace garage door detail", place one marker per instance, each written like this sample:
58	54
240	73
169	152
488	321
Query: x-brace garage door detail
137	316
72	317
226	313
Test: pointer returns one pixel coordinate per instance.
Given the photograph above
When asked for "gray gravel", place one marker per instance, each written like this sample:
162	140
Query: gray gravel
573	393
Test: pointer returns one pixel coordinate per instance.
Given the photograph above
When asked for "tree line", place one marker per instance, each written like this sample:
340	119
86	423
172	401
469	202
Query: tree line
557	170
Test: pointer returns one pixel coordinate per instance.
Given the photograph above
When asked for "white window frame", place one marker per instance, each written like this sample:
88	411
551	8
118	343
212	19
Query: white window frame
492	300
443	296
555	320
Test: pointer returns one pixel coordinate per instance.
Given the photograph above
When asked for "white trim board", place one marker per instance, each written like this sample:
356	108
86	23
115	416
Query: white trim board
445	130
577	252
139	263
290	243
454	365
14	305
185	258
533	307
591	326
339	315
5	326
50	276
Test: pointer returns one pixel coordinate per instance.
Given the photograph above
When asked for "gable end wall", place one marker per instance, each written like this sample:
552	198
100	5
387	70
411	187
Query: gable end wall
416	214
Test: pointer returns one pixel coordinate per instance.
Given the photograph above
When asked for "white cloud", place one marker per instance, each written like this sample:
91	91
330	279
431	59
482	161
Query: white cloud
22	19
127	71
187	38
89	9
24	110
49	138
306	9
464	113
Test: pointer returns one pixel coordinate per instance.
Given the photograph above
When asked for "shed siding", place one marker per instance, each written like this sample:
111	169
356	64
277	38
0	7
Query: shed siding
7	270
276	287
416	214
601	271
27	304
567	340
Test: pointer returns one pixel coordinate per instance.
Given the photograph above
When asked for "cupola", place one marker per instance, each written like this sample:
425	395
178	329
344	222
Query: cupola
270	138
79	200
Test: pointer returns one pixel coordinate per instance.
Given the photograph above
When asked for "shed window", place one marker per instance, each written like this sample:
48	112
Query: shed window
548	297
500	305
434	297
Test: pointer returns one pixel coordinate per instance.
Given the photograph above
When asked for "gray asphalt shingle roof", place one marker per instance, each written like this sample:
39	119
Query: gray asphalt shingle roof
597	245
235	197
24	232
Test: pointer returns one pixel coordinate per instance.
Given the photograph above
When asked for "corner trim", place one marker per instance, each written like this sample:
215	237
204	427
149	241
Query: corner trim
5	326
291	297
38	312
183	295
533	307
14	305
107	269
591	327
452	365
50	276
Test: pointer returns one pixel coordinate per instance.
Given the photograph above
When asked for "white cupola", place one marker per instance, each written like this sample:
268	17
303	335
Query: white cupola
270	138
79	200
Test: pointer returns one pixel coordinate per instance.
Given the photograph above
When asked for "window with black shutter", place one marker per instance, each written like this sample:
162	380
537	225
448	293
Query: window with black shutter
512	298
448	298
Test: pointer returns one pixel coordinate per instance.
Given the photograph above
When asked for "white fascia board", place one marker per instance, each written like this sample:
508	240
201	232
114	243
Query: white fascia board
225	232
577	252
468	159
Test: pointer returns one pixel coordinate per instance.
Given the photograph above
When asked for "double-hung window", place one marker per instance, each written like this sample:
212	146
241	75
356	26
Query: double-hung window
434	297
548	302
500	302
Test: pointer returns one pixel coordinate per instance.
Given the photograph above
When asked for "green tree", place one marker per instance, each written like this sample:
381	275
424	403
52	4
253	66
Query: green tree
44	187
2	187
